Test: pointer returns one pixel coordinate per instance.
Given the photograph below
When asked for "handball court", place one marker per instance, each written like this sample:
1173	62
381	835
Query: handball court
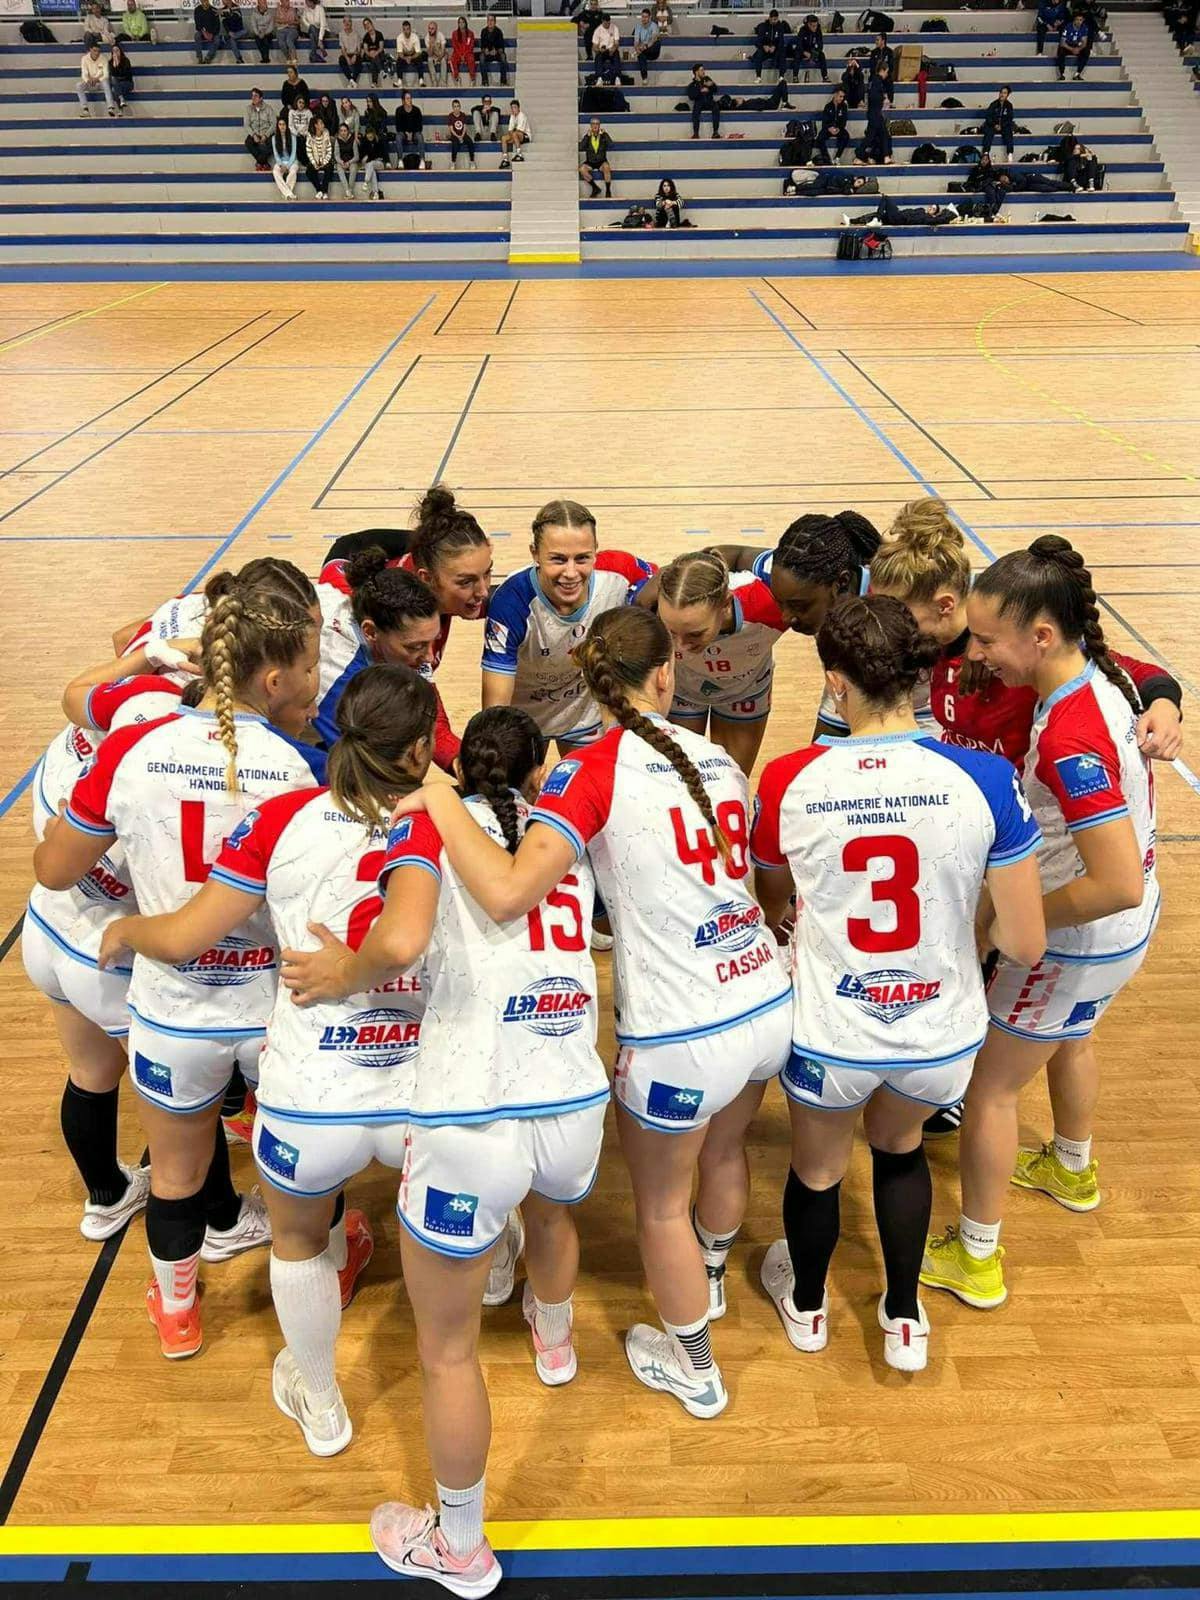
150	433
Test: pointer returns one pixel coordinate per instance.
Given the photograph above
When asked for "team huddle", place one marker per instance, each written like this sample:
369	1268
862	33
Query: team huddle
253	899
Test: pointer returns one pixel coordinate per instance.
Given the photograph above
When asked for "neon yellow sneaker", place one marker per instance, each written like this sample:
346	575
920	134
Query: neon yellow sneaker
1043	1171
947	1265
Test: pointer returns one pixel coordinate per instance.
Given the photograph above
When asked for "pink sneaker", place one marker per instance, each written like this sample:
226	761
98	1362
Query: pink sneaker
411	1543
556	1364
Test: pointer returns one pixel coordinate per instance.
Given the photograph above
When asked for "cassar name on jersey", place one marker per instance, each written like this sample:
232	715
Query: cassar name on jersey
552	1007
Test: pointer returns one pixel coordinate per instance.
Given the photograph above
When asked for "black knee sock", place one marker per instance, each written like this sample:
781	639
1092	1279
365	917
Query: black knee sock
222	1203
234	1102
811	1220
175	1228
89	1126
339	1210
903	1201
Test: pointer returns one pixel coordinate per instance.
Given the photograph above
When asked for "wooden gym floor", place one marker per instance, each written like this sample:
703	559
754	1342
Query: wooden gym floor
151	433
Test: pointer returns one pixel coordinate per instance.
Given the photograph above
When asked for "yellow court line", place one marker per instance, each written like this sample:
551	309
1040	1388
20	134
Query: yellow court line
1101	428
78	316
615	1533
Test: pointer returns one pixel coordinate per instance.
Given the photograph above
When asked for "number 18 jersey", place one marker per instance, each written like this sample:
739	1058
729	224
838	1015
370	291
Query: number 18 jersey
888	839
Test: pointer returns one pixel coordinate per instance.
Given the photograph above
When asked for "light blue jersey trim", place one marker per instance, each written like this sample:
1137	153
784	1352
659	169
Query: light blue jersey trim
70	950
87	827
908	736
444	1249
504	672
824	1059
337	1118
1095	822
197	1033
409	861
1013	856
1065	689
211	716
547	819
641	1042
559	1108
235	881
568	617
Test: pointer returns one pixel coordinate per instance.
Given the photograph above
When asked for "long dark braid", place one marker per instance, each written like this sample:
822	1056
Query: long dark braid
819	549
500	748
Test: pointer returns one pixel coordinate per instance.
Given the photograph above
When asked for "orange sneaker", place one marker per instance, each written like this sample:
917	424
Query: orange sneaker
179	1332
360	1247
241	1127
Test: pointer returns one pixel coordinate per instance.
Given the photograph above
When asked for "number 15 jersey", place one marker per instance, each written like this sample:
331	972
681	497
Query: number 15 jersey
888	839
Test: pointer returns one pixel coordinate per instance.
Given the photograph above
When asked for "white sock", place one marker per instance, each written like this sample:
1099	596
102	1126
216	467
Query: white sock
1074	1154
177	1281
979	1238
714	1247
308	1304
694	1341
460	1514
553	1322
337	1243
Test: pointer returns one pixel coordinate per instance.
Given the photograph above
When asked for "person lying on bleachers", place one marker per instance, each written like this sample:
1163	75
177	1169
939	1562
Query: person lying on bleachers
891	215
811	184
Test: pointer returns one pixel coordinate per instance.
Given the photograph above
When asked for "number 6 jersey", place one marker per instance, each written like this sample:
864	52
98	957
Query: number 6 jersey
888	839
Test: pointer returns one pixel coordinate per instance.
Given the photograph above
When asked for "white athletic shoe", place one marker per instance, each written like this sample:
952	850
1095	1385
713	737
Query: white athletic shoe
411	1543
807	1330
716	1293
504	1262
326	1433
556	1363
101	1222
601	941
657	1361
252	1228
905	1342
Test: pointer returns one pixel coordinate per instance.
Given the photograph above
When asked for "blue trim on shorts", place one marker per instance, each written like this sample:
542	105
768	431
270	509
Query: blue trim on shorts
637	1043
1115	955
303	1194
813	1105
70	950
451	1119
177	1111
579	1198
318	1119
725	716
1037	1038
827	1060
197	1033
918	1099
445	1250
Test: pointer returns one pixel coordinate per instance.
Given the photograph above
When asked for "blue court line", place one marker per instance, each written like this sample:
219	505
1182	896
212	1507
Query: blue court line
14	794
1184	771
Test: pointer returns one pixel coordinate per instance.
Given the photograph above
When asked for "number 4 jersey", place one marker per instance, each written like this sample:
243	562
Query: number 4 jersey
888	839
692	954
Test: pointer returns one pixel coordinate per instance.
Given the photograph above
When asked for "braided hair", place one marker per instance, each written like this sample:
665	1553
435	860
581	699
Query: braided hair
562	514
622	648
500	748
819	549
1050	579
268	575
245	631
875	642
699	578
386	595
385	711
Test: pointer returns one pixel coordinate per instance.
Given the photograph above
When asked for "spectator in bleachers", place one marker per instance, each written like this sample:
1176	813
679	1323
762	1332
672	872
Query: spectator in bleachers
647	41
318	158
120	75
232	28
345	160
410	129
262	29
808	182
293	88
1074	44
1051	15
375	53
832	128
516	135
881	55
1080	168
312	26
96	27
410	55
808	50
135	25
258	125
373	154
94	79
665	18
854	83
206	25
704	95
349	48
348	114
435	53
460	134
892	215
285	158
493	52
879	97
998	122
462	51
771	47
374	116
287	28
588	21
486	119
606	51
668	207
325	107
594	150
299	122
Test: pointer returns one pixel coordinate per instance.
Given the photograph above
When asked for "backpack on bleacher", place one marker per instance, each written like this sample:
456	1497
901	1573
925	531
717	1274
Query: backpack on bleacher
849	245
935	25
966	155
901	127
604	101
837	23
799	141
928	155
875	22
939	71
37	33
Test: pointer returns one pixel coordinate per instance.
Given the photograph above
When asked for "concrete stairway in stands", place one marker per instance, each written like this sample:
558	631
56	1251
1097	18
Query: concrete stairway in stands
545	195
1166	91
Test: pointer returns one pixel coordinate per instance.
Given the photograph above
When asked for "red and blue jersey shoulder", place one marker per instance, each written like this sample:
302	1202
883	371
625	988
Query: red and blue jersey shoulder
777	778
577	796
105	700
1077	757
754	602
88	806
412	842
1015	830
245	857
632	568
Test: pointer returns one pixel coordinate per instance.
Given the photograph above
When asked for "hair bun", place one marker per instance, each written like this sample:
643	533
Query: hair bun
365	565
1053	547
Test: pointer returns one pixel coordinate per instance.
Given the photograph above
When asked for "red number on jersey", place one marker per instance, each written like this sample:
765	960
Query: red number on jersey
896	891
191	840
363	917
568	935
703	853
718	664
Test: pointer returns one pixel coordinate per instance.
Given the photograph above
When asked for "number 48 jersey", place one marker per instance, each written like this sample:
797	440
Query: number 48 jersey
888	839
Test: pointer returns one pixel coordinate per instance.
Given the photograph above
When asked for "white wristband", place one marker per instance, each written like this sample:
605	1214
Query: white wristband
162	654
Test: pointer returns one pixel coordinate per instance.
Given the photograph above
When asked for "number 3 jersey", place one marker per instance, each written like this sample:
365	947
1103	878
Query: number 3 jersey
354	1061
888	839
510	1008
692	954
161	789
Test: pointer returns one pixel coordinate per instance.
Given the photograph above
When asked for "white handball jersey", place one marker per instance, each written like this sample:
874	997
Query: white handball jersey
185	616
1083	769
736	665
350	1062
161	790
527	639
510	1008
692	954
888	840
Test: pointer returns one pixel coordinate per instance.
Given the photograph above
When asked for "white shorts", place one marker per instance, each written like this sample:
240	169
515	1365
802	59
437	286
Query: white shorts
750	703
842	1088
317	1158
461	1181
1059	998
181	1072
63	966
681	1086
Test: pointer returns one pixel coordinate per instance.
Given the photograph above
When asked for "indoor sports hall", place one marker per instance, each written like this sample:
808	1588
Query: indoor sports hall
185	395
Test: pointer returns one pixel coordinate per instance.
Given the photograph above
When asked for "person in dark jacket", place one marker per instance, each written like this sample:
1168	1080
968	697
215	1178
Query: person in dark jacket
492	52
998	122
892	215
804	181
808	50
326	108
771	48
410	129
879	96
1074	44
206	25
881	55
1051	15
374	116
1080	167
704	94
292	89
832	127
668	207
120	75
854	82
